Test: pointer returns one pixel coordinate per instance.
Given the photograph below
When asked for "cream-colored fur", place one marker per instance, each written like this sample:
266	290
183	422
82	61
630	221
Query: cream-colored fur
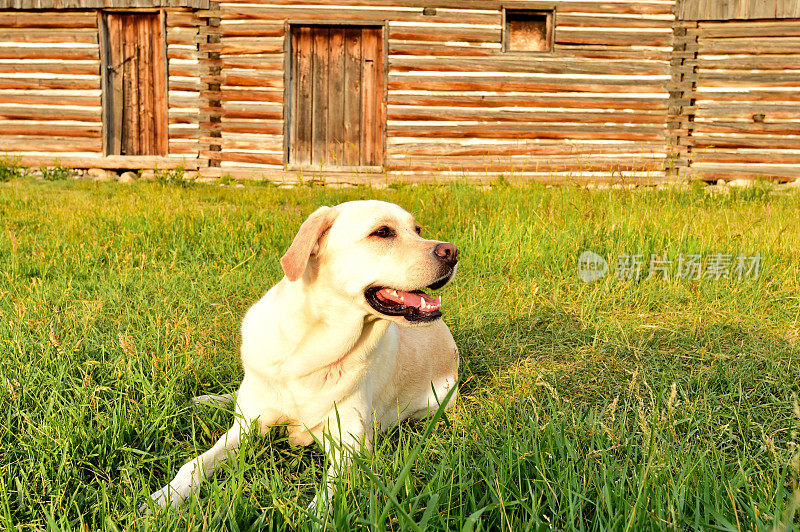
318	357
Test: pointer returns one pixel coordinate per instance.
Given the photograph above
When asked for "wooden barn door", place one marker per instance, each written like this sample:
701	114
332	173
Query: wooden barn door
135	85
337	111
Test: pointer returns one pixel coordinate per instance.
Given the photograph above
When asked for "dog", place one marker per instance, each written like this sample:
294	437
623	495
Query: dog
346	342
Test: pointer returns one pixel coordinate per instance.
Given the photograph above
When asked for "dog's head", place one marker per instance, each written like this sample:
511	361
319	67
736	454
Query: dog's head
369	254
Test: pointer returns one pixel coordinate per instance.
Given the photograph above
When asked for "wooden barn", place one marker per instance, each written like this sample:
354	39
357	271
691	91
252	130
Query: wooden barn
433	90
405	90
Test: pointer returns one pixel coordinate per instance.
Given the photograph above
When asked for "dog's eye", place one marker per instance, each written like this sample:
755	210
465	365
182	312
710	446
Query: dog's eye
418	229
383	232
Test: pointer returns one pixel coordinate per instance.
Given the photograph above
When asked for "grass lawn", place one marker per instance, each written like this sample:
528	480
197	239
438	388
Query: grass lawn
617	404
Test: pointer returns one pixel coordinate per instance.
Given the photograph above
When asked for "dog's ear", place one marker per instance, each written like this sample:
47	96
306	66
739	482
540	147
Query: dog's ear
306	242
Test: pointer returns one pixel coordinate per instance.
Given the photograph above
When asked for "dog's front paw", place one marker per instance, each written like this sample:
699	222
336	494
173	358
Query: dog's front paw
326	502
169	495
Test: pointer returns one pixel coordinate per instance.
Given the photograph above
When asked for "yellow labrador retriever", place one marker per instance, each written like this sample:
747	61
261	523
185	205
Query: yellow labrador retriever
334	349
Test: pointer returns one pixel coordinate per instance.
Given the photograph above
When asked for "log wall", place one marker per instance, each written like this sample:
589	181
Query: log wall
745	93
50	100
628	91
184	83
456	103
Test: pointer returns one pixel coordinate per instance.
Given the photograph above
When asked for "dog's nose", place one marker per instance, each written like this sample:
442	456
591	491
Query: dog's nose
447	252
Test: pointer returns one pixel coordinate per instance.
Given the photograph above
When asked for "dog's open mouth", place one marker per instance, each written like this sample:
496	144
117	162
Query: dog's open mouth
413	306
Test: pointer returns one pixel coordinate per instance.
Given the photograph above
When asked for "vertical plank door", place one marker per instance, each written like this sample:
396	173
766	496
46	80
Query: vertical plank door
135	97
337	112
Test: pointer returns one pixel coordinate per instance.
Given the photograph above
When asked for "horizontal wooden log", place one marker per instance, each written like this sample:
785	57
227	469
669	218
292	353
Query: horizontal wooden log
445	33
183	37
246	95
49	129
252	29
716	141
177	19
193	85
751	171
612	38
24	143
755	94
271	62
260	144
252	126
253	79
252	112
544	165
48	19
735	78
397	48
31	112
748	45
525	131
608	20
65	53
607	51
501	83
118	162
749	115
749	128
748	29
49	35
551	148
749	156
238	46
514	63
56	67
243	157
582	101
747	62
580	116
233	12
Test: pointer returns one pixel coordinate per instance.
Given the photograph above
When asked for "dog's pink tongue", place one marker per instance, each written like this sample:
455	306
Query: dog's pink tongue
410	299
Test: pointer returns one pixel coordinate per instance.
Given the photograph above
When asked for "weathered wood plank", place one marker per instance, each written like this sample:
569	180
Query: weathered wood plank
542	65
301	125
525	131
48	19
505	84
319	120
49	143
352	115
423	114
335	95
372	97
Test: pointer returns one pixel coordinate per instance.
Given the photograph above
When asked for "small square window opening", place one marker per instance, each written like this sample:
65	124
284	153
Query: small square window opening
528	31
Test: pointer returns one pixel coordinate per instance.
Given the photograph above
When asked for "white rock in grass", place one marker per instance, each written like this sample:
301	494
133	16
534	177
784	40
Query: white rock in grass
100	174
740	183
127	177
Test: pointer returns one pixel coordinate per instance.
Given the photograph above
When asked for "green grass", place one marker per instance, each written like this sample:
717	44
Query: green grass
611	405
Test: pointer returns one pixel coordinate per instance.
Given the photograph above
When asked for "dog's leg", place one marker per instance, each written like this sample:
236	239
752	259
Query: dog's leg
216	400
191	474
345	433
